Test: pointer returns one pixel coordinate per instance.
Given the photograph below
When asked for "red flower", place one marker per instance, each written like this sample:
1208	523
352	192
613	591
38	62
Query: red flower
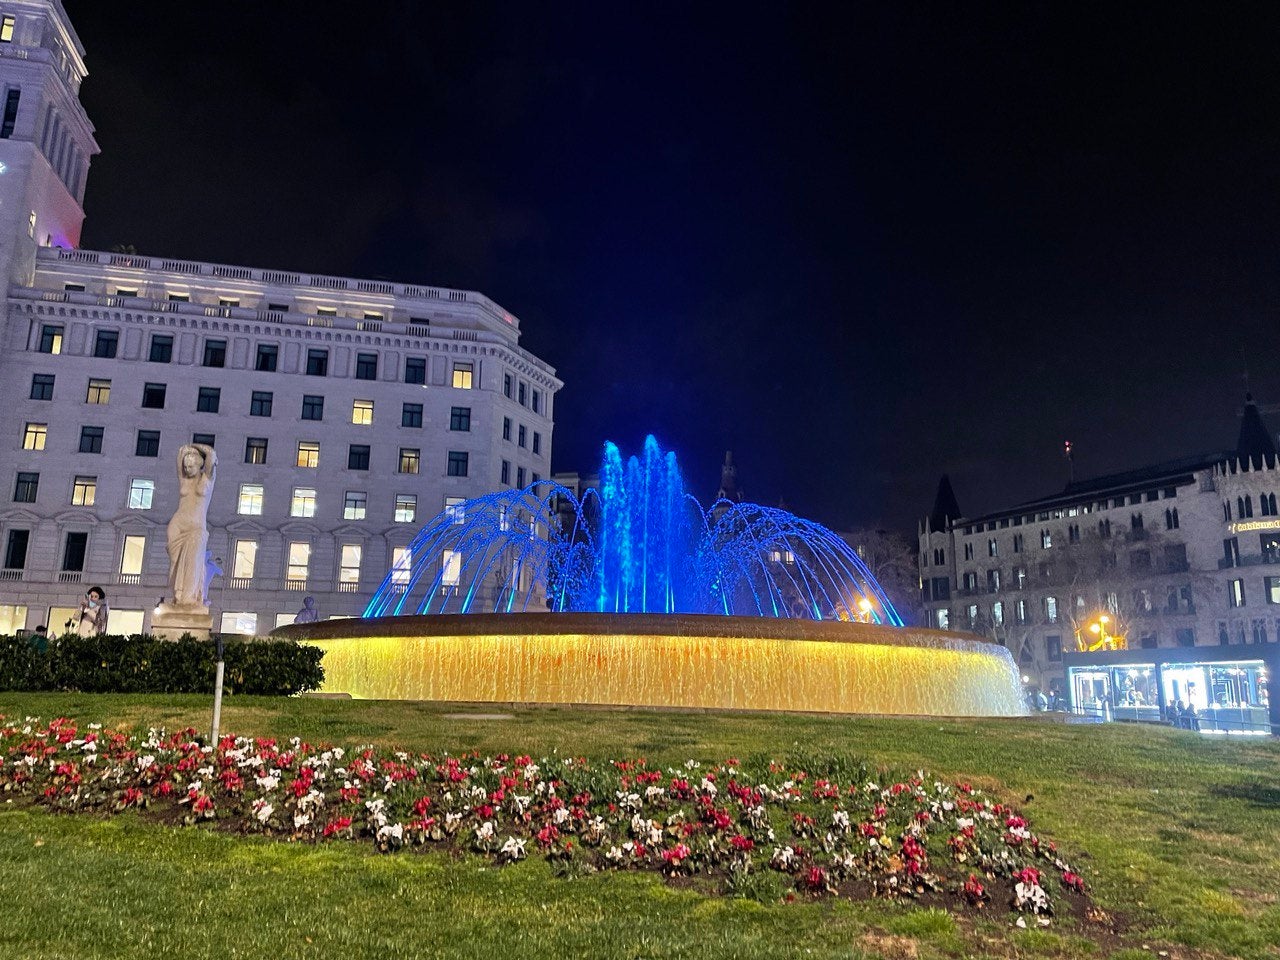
1073	881
973	890
1028	875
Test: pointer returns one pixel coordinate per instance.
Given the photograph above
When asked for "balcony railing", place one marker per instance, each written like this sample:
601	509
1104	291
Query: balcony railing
10	574
70	576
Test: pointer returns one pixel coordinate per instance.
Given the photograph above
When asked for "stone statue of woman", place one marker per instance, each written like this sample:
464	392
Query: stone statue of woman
188	530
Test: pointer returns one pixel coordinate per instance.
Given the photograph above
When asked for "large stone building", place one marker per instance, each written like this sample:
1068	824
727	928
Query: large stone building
344	412
1177	555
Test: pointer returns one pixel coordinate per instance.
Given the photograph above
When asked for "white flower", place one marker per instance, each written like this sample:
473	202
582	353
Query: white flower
262	810
513	849
840	821
485	831
301	819
559	815
708	787
393	832
268	782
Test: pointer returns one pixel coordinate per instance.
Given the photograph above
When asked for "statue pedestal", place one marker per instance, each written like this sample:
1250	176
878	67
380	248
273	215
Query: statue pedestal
170	622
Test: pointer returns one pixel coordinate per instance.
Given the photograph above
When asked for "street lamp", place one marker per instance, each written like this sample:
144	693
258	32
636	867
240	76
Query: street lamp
1105	641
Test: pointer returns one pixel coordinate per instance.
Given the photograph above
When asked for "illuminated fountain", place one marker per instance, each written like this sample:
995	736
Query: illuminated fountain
635	595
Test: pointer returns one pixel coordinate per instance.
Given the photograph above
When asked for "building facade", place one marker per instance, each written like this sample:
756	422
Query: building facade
1173	556
345	413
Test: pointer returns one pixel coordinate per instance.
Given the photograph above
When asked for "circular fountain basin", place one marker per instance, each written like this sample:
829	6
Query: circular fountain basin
666	660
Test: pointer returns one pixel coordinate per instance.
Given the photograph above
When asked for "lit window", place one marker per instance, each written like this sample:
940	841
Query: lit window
50	339
401	564
131	556
141	493
410	460
42	386
457	463
349	568
462	376
460	418
326	311
451	568
246	558
362	412
406	508
241	624
6	30
250	504
303	503
355	505
455	508
1046	539
308	454
34	436
84	491
26	488
99	392
255	450
299	561
1235	593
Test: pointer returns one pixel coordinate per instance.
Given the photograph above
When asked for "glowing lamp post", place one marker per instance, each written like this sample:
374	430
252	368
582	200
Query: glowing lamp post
1105	641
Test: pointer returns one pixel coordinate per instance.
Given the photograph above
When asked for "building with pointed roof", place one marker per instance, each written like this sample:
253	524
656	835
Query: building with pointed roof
1172	557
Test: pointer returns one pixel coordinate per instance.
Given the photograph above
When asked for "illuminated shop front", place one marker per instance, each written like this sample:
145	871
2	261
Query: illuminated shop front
1215	691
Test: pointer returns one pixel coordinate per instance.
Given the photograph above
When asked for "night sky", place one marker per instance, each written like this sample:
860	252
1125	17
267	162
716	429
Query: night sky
857	245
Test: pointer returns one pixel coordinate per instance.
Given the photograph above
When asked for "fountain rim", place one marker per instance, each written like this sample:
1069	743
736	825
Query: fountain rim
624	624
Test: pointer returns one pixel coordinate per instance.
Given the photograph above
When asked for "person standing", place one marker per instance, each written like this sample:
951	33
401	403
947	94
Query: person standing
93	613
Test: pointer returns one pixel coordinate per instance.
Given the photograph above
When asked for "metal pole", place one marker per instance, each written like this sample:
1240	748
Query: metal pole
217	695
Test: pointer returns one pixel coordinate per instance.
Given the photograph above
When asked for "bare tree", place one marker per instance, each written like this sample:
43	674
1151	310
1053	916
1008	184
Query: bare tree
892	560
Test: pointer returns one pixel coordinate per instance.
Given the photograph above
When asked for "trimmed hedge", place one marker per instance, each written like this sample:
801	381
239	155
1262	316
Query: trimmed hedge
145	664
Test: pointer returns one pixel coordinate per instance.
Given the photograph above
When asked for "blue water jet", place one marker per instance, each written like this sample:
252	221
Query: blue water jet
638	544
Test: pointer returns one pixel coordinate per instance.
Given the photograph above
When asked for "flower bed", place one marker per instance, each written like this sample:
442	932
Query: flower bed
729	823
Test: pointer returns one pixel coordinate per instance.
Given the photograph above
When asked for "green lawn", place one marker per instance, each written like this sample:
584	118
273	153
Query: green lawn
1178	835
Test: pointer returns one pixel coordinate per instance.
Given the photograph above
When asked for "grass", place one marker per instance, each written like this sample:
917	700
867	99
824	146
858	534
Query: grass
1178	836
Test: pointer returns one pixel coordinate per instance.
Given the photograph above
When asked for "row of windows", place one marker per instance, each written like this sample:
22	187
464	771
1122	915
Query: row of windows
1244	507
84	488
106	345
261	403
1133	499
244	563
522	393
1236	594
35	437
1136	523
